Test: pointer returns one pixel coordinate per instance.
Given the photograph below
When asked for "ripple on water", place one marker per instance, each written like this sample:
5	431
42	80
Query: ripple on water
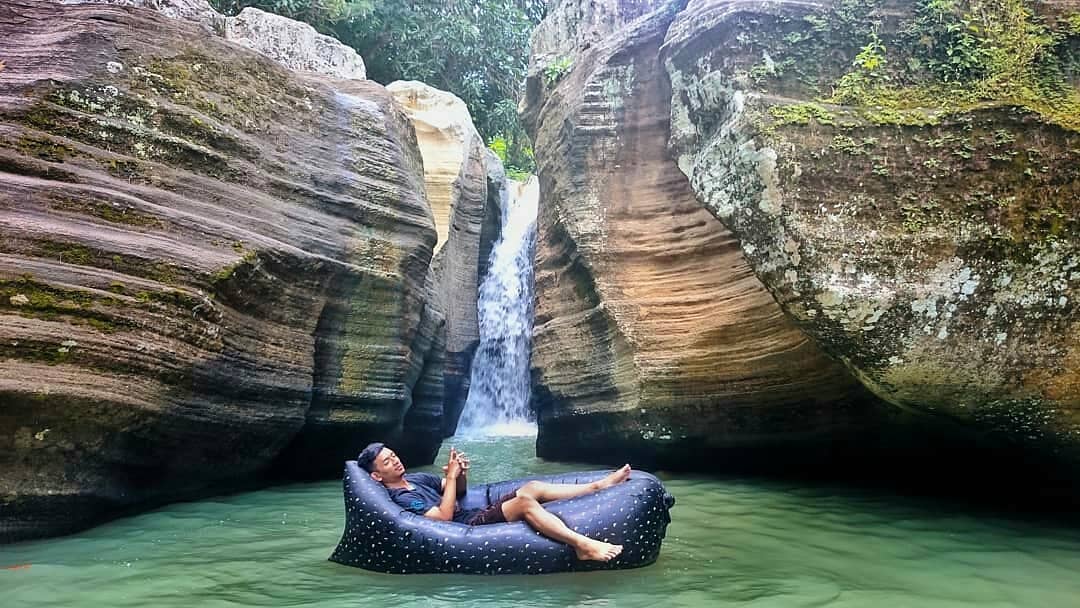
731	543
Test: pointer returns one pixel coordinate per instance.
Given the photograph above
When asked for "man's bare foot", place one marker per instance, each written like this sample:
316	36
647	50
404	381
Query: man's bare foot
597	551
617	477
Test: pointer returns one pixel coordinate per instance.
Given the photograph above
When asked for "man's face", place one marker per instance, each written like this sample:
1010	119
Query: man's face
387	467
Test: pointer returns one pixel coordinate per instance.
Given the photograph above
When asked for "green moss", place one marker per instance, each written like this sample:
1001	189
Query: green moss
941	58
44	149
105	210
957	56
33	299
801	114
847	145
66	253
227	272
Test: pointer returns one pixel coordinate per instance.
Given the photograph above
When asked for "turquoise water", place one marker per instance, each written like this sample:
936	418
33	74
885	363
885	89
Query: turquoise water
731	543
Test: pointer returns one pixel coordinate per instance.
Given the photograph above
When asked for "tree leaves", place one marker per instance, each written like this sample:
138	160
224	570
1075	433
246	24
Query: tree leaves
476	49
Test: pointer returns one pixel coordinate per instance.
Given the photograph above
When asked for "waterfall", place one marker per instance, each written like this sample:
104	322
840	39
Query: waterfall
498	401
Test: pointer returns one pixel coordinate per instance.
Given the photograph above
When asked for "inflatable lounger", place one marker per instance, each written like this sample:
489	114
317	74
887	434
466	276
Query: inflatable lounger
380	535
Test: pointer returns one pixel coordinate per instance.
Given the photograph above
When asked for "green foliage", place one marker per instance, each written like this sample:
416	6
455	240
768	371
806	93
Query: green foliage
954	56
866	76
476	49
518	163
557	69
319	13
946	42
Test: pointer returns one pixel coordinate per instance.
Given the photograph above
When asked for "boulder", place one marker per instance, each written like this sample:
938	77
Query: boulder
293	44
457	166
209	265
925	233
654	340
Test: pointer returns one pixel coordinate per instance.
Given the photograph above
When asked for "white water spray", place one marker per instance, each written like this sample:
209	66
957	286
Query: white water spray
498	401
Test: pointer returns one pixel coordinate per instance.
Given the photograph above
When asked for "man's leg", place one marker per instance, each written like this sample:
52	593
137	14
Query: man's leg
541	491
528	509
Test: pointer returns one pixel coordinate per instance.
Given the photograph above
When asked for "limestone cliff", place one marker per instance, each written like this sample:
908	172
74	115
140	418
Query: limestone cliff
653	338
206	261
910	195
457	165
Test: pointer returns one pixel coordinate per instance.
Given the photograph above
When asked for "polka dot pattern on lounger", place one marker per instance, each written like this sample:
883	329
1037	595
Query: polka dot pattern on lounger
380	535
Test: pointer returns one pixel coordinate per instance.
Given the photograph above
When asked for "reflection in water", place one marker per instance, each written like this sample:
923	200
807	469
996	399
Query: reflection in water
731	543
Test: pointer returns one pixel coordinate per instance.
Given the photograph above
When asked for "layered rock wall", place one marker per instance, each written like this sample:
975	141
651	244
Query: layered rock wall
921	232
206	262
653	338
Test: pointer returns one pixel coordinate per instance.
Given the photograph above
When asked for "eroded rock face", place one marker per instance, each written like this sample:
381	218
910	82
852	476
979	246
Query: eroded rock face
457	166
206	262
653	338
934	249
198	11
293	44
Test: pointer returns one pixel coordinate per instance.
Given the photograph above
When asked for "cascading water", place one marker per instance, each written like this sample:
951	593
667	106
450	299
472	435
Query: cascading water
498	401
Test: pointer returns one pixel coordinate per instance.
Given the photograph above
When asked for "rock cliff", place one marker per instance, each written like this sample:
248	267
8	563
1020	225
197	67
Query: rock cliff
457	166
653	338
906	194
207	262
911	199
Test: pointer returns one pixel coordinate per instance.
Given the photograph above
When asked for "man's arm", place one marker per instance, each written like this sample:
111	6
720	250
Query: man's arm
445	510
463	483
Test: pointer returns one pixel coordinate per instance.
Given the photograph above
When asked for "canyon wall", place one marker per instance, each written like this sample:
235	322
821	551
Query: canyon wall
212	268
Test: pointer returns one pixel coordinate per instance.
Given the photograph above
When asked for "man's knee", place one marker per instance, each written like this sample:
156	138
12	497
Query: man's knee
516	508
532	489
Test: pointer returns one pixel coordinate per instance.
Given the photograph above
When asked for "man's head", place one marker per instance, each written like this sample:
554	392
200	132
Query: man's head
381	462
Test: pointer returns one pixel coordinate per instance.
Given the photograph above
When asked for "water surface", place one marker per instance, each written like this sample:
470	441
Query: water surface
731	543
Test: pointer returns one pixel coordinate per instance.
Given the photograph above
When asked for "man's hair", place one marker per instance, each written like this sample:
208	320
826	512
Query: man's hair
367	456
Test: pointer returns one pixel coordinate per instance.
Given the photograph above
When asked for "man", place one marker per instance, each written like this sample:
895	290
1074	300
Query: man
430	496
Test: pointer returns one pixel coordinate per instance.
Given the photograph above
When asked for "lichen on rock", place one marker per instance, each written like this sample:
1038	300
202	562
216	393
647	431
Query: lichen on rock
925	232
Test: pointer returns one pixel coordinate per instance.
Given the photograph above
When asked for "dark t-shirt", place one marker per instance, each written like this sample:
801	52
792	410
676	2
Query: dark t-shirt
426	493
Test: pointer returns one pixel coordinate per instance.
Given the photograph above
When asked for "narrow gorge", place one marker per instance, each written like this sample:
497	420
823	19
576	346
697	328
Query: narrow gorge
763	237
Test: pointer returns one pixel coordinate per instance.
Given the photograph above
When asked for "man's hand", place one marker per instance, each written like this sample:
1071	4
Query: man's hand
453	467
450	490
461	458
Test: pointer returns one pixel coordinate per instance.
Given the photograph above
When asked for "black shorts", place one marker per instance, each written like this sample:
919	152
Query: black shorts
493	514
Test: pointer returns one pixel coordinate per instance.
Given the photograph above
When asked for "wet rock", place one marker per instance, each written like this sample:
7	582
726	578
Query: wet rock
210	267
653	338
